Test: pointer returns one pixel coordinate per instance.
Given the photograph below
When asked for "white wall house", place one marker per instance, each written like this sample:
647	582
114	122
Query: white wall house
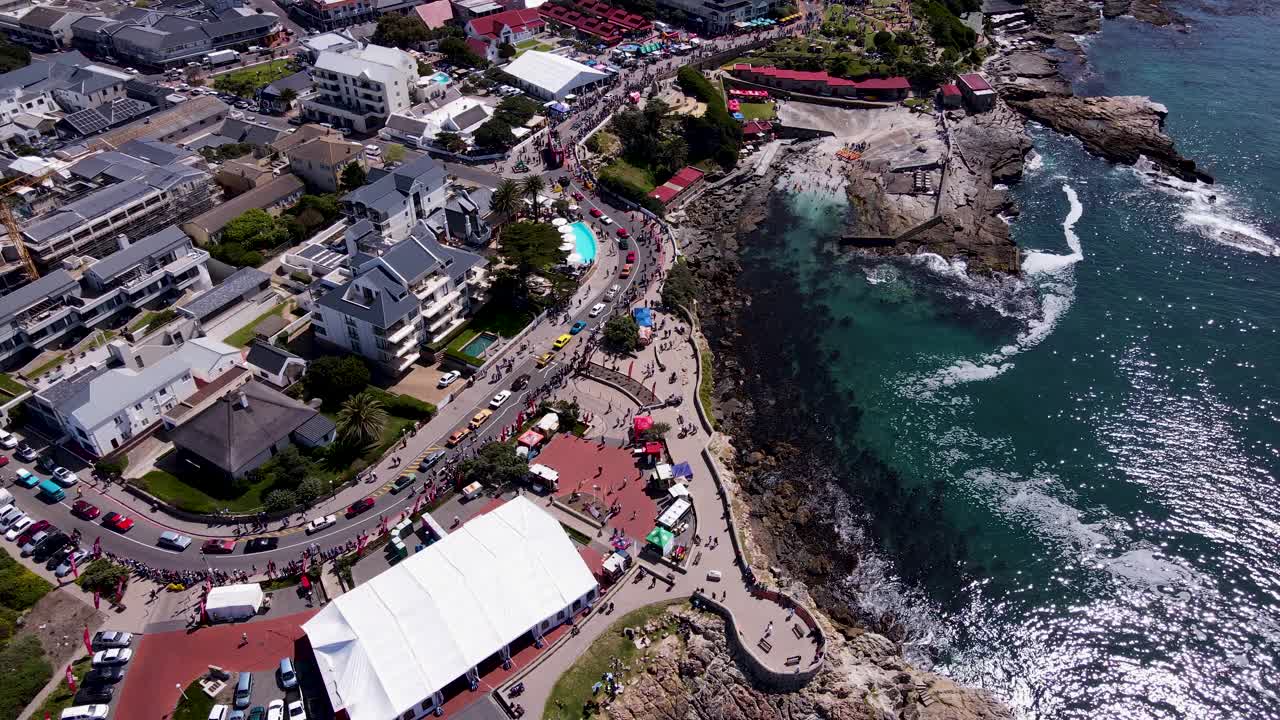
359	88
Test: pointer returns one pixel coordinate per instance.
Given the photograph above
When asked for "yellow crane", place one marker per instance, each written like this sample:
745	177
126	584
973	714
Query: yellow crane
11	223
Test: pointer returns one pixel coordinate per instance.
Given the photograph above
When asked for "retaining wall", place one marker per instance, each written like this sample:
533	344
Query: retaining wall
768	678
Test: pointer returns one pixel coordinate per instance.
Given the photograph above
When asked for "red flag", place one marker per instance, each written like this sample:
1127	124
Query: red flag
95	599
74	570
87	644
204	616
97	548
360	544
306	583
71	680
304	563
629	366
120	589
417	504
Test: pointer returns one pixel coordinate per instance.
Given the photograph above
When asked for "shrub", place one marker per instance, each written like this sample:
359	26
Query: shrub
407	406
25	673
114	467
311	488
103	576
19	587
279	500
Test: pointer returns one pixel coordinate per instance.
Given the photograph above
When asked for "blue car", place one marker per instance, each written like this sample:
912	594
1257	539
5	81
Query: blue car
578	327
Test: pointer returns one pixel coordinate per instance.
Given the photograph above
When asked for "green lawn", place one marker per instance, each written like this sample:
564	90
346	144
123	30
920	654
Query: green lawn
174	491
246	81
706	388
11	386
500	319
193	704
757	111
55	362
638	177
244	335
573	689
62	697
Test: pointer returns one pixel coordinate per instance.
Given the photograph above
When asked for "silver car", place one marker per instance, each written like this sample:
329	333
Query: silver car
173	541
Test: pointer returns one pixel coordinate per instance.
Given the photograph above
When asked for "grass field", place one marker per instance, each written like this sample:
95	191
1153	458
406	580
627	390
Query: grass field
244	335
639	177
757	111
11	386
193	705
573	689
174	491
246	81
26	670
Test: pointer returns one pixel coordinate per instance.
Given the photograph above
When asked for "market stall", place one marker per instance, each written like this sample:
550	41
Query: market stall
229	603
661	541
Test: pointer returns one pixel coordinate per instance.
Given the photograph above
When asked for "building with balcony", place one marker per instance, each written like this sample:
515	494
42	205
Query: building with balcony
718	16
410	294
134	191
59	306
361	87
155	38
103	406
333	14
396	200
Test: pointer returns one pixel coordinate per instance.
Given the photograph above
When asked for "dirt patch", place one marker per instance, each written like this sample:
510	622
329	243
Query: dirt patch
58	622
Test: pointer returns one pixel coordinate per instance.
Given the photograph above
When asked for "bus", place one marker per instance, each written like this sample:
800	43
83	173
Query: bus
49	490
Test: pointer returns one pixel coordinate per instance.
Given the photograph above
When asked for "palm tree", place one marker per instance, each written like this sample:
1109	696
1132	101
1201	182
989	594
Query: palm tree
361	419
505	200
533	187
287	97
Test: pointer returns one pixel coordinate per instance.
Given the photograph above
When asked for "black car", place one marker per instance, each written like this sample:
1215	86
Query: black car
104	675
46	464
49	546
520	383
261	544
95	694
59	555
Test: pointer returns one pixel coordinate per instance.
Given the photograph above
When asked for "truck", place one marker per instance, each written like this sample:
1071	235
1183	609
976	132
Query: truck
221	57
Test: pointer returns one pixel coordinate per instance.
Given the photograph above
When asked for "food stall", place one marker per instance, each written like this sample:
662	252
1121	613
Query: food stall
541	476
678	491
661	541
675	514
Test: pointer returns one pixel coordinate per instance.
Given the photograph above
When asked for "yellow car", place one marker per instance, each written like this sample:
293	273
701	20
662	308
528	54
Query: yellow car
545	359
479	419
562	341
457	436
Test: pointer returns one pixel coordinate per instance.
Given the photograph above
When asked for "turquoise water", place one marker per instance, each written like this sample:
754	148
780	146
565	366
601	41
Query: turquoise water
442	78
585	242
1068	484
477	345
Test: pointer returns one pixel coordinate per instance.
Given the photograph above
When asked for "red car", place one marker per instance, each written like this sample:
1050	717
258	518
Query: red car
30	532
577	196
631	256
218	547
117	522
84	510
622	232
359	506
595	213
4	460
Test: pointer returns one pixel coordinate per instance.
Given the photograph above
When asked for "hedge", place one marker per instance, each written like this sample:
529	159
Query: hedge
405	406
19	587
102	575
26	671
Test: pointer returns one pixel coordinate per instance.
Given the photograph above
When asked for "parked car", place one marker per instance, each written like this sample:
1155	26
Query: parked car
479	419
286	675
34	543
261	544
606	221
613	291
545	359
520	382
25	536
45	463
626	271
321	523
25	478
457	436
500	398
64	477
359	506
257	712
85	510
8	440
112	656
104	675
61	557
173	541
4	460
116	521
86	712
105	639
578	327
95	693
275	710
403	482
448	378
631	256
218	546
596	212
597	309
623	232
16	526
51	544
26	453
296	711
430	460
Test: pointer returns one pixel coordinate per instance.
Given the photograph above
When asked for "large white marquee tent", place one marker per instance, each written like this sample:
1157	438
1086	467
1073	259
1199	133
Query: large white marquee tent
552	77
394	642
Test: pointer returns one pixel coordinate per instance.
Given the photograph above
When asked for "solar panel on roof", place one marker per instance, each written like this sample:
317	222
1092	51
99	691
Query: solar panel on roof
87	122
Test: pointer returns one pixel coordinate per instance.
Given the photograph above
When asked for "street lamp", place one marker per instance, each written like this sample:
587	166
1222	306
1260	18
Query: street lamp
181	690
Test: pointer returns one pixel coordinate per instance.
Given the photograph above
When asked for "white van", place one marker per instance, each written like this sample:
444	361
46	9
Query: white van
218	712
85	712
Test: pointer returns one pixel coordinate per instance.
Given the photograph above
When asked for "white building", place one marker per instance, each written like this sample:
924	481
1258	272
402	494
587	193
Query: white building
461	116
413	293
717	16
359	88
387	649
553	77
394	201
102	406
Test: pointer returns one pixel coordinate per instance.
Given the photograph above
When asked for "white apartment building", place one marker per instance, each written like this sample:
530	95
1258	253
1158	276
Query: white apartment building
414	293
102	407
359	88
396	200
718	16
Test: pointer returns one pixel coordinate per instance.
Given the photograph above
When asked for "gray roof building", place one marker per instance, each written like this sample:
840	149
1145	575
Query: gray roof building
242	284
387	191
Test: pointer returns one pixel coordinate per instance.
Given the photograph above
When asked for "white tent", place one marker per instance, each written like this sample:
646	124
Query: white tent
549	422
678	491
393	642
552	76
233	602
674	513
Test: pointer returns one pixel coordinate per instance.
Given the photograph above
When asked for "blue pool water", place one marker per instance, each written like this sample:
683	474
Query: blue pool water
442	78
585	240
479	344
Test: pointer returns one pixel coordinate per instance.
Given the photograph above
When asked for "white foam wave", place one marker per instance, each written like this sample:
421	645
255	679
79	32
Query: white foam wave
1034	161
881	274
1055	285
1211	211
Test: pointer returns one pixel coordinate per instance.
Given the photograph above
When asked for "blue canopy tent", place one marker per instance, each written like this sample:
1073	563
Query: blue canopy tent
682	470
643	316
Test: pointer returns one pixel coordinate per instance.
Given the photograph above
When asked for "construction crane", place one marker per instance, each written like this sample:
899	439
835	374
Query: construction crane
11	223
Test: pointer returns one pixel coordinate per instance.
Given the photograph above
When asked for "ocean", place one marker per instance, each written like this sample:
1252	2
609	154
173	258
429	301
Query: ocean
1068	482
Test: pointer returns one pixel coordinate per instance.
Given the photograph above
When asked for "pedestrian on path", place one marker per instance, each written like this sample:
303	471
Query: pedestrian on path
244	639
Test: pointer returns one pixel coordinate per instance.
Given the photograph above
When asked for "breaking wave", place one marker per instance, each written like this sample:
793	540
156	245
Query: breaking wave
1210	211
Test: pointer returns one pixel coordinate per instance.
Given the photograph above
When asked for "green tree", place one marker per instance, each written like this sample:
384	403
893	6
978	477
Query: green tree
505	201
280	500
402	31
13	56
533	187
353	176
494	134
311	489
529	247
393	153
334	378
495	464
451	142
680	287
255	229
287	96
457	51
506	50
361	420
517	110
621	334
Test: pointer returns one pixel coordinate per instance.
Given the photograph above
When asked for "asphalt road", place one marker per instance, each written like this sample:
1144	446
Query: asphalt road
139	543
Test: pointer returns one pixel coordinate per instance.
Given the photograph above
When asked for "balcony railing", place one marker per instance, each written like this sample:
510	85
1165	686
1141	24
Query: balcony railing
405	363
402	333
434	308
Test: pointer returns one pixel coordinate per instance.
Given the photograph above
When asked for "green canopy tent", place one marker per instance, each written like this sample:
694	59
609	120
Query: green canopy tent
662	540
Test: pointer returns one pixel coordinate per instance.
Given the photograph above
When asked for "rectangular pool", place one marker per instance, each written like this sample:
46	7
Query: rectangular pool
584	244
478	344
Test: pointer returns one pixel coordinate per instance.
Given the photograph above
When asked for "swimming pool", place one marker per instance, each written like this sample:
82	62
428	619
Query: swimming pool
478	344
442	78
584	243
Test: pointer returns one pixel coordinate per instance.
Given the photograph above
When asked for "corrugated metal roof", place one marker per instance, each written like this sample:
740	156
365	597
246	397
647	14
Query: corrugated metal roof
151	246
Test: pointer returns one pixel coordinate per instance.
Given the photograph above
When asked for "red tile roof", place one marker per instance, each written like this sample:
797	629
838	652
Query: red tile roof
755	127
950	89
975	82
664	194
435	14
517	20
686	177
478	46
